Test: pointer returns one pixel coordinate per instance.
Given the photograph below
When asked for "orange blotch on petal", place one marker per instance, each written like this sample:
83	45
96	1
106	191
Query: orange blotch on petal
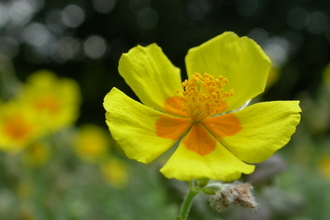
223	125
199	140
174	106
17	128
172	127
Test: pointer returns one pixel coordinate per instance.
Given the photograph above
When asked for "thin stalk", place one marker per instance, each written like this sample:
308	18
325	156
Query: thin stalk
187	202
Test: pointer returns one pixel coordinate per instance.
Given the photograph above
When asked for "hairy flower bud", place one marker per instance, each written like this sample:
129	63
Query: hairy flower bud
219	202
244	197
238	194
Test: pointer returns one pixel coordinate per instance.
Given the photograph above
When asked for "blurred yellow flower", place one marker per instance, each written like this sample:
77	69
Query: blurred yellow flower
18	126
55	100
91	143
37	154
115	172
324	167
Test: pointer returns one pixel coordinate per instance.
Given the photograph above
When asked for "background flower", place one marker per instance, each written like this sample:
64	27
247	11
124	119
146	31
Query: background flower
55	100
18	126
92	144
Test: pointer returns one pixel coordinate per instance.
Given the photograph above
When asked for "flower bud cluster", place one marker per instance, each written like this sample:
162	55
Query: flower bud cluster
237	194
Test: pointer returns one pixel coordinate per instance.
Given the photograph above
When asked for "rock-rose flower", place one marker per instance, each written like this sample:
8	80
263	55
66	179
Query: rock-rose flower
55	100
218	138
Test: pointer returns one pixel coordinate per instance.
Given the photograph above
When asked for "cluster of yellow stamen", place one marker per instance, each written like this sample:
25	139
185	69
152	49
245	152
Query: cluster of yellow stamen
203	96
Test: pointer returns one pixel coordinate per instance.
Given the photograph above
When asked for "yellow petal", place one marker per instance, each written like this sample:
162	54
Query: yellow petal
218	163
150	74
240	60
266	127
133	126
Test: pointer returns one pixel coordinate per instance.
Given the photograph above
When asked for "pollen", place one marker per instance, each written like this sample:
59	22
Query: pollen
203	96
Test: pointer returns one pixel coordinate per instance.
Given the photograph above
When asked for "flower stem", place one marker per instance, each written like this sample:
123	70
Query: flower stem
185	207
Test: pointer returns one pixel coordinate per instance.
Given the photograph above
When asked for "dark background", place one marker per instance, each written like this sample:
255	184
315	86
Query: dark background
83	40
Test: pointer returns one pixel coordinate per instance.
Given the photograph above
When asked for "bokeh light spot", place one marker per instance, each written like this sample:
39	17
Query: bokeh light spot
197	9
68	48
73	16
247	7
104	6
136	5
147	18
297	18
15	31
317	22
95	47
3	15
277	48
54	21
36	4
20	11
37	34
259	35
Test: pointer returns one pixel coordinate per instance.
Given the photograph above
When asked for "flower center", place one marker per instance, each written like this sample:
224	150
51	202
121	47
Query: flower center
48	103
203	96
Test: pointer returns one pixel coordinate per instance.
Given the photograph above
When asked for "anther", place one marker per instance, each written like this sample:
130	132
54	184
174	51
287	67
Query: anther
203	95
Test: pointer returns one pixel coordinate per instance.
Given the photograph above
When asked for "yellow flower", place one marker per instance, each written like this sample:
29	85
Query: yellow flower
324	167
37	154
18	126
92	143
218	138
55	100
115	172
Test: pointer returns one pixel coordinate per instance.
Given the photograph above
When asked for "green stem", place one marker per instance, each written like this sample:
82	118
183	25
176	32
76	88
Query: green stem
185	207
